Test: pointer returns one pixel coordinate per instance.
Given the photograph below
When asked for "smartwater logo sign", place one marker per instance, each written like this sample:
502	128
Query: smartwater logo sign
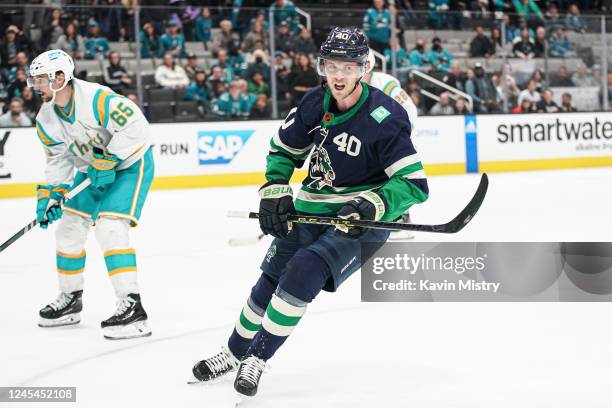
221	146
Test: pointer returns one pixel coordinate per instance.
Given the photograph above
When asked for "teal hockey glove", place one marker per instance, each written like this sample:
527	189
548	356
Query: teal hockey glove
102	170
44	194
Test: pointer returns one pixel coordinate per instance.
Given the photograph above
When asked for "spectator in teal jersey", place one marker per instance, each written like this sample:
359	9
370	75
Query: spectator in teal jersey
528	9
236	5
203	27
223	62
402	59
574	20
437	13
95	44
376	24
197	89
285	10
418	56
149	41
232	104
522	25
559	46
172	41
438	57
401	56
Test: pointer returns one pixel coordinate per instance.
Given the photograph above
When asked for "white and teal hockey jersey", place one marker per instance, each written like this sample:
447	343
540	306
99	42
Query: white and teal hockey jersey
95	117
392	87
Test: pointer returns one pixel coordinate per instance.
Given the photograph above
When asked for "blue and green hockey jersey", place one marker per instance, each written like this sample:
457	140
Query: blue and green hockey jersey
365	148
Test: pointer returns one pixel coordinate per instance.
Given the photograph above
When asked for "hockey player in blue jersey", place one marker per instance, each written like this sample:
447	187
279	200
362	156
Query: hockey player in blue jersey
363	166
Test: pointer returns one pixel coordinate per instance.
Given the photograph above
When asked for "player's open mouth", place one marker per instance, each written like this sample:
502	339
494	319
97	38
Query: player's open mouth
339	87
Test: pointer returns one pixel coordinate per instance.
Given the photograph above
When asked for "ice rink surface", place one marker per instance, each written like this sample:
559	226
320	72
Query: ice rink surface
344	353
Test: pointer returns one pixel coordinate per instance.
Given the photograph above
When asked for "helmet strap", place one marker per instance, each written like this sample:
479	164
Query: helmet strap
55	91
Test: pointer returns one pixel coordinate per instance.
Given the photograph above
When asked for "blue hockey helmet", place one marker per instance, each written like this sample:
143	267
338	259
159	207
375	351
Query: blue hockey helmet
346	45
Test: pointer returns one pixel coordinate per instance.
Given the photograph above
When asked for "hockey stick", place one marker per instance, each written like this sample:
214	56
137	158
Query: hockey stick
34	223
242	241
451	227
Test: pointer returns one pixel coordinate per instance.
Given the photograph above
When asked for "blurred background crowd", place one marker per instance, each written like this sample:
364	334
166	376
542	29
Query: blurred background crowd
181	61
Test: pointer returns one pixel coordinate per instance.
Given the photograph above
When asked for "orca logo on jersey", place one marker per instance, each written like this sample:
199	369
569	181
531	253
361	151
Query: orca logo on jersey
221	146
321	170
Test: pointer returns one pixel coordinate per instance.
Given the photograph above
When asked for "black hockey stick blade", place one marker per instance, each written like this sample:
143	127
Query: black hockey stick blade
466	215
451	227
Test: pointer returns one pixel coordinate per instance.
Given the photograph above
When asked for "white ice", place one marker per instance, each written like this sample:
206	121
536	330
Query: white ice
344	353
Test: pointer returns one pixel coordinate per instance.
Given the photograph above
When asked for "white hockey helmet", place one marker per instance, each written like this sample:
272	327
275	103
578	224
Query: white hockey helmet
371	61
50	62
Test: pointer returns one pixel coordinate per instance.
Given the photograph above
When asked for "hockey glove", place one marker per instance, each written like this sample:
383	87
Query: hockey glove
44	194
102	169
275	207
366	206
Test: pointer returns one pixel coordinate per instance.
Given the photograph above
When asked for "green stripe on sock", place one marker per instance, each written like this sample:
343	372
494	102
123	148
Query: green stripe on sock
281	319
247	324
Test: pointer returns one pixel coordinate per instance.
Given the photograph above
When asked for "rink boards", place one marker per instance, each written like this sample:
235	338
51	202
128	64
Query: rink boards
206	154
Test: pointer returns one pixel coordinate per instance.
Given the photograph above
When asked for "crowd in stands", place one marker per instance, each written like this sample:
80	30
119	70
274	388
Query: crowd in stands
521	31
234	82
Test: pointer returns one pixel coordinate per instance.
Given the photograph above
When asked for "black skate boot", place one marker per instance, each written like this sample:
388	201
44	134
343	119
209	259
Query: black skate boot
63	311
248	375
215	366
129	320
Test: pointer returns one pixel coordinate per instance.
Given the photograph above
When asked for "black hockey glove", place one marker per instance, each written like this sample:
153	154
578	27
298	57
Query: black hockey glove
366	206
274	208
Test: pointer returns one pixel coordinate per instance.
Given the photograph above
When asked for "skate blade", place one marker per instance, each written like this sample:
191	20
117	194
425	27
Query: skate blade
67	320
239	399
130	331
401	236
226	377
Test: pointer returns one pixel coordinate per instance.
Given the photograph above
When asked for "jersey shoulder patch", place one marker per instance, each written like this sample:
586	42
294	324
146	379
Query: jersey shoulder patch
379	114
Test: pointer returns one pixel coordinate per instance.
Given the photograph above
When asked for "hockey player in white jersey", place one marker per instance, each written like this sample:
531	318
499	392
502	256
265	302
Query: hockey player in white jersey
392	87
104	136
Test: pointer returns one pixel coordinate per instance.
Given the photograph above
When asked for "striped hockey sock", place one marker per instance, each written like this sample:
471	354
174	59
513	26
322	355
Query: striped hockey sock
70	269
282	315
121	266
247	326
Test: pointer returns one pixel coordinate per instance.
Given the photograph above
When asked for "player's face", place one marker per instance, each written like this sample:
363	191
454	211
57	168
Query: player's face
342	77
42	86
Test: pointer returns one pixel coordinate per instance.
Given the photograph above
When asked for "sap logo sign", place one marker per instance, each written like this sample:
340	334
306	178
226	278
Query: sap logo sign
221	146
